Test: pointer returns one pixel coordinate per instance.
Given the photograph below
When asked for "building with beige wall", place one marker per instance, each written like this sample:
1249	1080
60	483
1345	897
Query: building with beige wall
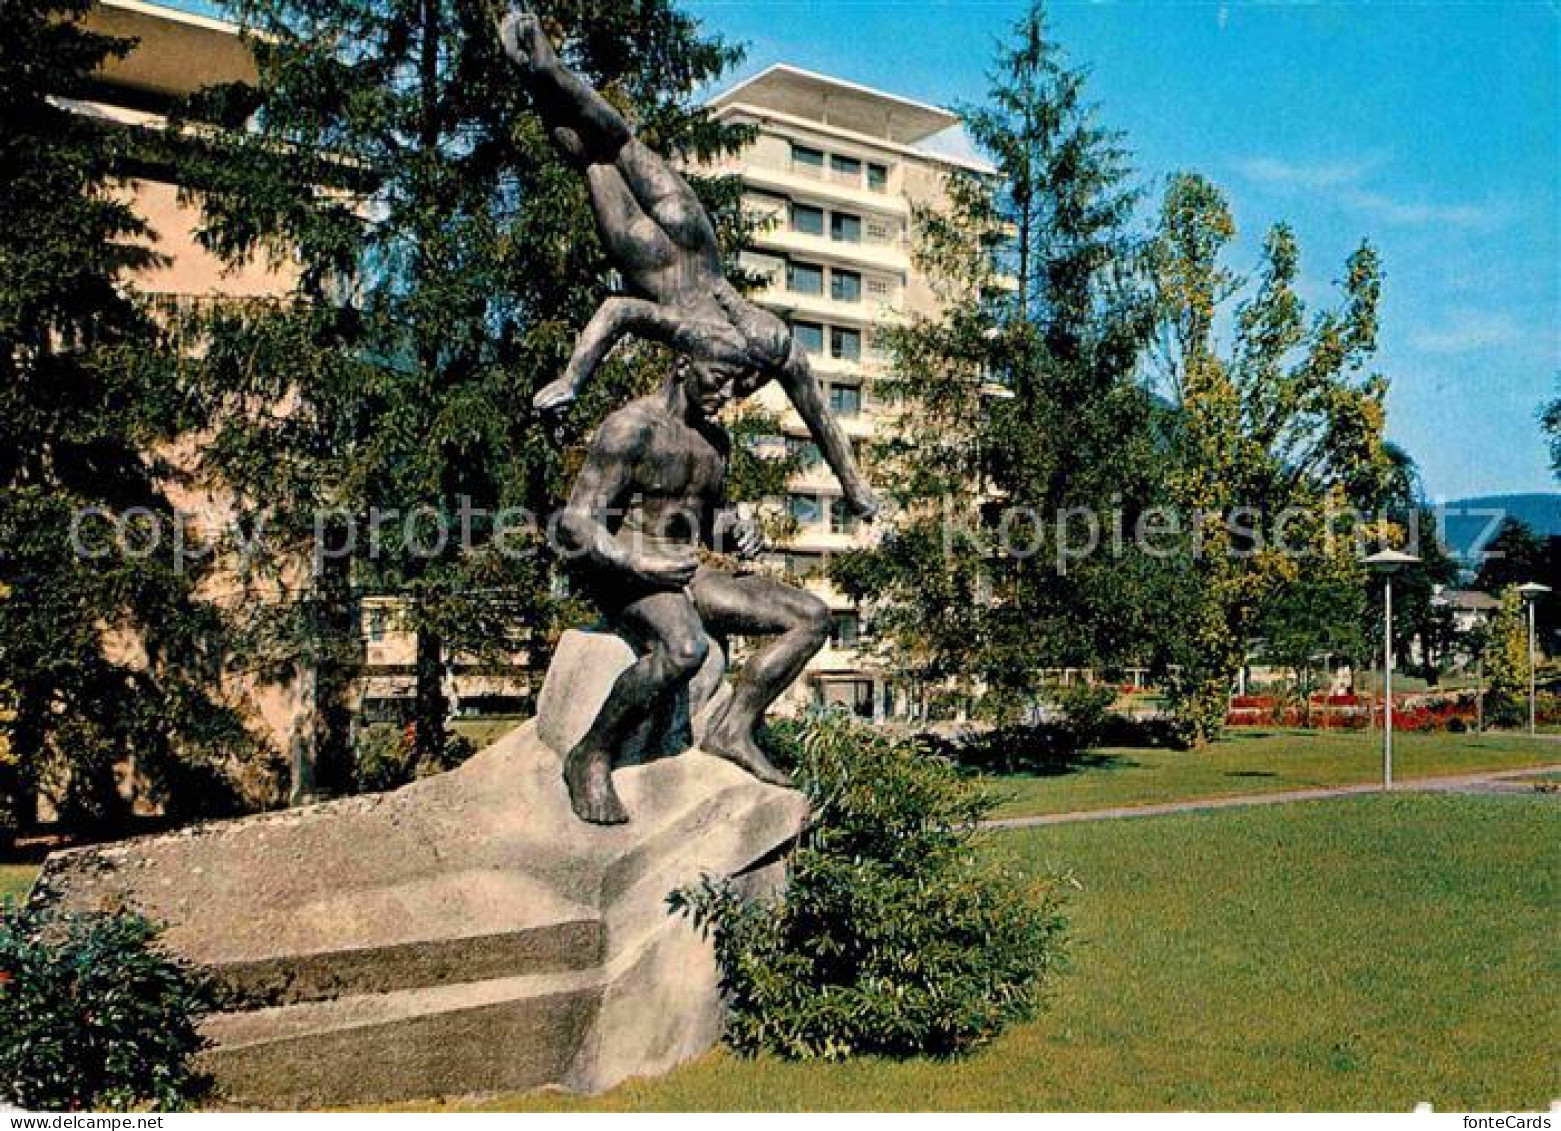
833	177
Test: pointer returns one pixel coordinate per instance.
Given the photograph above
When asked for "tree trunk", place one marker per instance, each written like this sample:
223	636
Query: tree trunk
429	706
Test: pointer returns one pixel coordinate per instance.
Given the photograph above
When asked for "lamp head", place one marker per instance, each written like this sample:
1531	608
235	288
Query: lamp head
1390	561
1532	590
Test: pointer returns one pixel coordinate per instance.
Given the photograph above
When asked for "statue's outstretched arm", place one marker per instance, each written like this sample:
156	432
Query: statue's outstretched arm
617	318
802	388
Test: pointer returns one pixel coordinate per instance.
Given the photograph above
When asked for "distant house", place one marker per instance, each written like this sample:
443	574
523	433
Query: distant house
1470	607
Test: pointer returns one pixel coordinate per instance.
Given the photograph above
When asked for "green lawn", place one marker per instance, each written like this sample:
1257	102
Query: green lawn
1260	761
15	879
485	730
1366	953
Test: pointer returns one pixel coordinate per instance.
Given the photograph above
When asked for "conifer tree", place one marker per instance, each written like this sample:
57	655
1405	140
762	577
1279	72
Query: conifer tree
1019	396
104	650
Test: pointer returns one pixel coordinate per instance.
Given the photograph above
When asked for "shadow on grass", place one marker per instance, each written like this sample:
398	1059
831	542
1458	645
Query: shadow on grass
1251	773
1046	750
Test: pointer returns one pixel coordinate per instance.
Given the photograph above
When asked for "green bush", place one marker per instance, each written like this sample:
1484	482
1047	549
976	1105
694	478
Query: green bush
895	936
1086	708
93	1015
383	756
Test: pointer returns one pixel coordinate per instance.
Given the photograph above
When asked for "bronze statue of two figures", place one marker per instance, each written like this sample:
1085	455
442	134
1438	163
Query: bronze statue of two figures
650	491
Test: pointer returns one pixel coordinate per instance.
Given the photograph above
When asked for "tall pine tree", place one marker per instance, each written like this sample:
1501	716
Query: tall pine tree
1020	398
106	654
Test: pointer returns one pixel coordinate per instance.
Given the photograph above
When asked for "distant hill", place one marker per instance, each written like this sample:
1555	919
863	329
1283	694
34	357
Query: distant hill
1470	523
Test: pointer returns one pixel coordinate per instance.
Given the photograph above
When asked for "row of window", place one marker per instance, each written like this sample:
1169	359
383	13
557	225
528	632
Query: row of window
809	161
808	279
808	220
807	455
810	511
845	342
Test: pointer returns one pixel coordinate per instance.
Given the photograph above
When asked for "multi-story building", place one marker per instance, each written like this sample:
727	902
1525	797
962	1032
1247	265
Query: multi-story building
832	178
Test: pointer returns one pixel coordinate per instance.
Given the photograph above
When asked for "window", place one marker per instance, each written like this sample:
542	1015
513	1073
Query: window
880	231
805	509
841	520
845	228
845	286
847	168
805	452
809	336
804	278
877	177
376	625
806	159
845	629
854	695
845	400
845	344
807	219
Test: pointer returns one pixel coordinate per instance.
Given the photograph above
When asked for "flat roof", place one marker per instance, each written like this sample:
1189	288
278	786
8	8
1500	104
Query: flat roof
837	102
176	52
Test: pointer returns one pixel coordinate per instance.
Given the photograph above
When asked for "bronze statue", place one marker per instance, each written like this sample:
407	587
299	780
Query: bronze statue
650	491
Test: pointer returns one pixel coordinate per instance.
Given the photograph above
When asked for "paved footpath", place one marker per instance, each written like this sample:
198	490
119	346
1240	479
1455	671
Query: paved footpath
1413	785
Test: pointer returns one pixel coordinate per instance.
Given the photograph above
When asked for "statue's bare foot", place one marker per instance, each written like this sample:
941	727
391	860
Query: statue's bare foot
524	40
737	746
554	397
591	793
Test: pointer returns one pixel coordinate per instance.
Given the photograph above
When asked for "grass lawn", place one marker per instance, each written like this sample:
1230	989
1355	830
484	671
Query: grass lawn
15	879
1261	761
485	730
1364	953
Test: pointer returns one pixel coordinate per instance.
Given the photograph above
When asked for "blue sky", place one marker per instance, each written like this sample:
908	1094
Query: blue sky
1433	128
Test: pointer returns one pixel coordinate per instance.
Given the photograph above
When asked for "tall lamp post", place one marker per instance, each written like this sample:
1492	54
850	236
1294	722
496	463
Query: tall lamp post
1387	563
1531	592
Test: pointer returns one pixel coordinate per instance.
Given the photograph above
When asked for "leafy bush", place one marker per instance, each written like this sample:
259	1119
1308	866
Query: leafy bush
1086	709
384	757
93	1015
894	936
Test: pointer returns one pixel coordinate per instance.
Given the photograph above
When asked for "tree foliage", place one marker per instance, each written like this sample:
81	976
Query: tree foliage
1276	442
1505	655
105	650
1019	394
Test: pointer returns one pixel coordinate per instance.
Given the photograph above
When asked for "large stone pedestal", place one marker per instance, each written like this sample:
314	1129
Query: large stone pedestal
466	933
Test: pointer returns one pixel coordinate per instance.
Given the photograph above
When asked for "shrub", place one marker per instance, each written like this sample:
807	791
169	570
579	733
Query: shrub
93	1015
894	935
1085	708
384	757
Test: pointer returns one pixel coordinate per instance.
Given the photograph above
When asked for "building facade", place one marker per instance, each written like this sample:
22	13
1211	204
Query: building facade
832	179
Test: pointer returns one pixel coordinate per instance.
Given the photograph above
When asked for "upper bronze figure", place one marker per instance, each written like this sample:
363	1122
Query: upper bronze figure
664	244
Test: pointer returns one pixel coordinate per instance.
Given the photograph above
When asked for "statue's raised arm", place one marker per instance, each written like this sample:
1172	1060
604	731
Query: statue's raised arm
663	242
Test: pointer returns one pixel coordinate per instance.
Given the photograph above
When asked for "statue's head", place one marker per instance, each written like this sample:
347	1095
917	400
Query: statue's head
716	368
732	360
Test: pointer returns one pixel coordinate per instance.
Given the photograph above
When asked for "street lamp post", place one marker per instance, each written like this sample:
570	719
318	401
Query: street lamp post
1531	592
1387	563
